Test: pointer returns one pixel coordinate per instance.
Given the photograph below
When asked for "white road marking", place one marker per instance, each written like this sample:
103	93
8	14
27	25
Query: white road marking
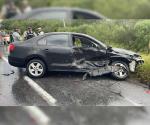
132	102
37	115
46	96
5	59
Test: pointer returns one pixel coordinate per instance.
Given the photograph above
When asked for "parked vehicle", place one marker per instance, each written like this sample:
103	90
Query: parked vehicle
60	13
66	51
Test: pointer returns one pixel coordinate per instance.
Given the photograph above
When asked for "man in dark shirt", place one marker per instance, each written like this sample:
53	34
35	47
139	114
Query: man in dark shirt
29	34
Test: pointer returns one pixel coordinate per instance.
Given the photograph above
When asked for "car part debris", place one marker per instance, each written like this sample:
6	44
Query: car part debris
12	72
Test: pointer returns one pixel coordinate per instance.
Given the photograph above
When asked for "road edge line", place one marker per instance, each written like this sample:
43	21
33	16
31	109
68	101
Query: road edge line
134	103
46	96
37	115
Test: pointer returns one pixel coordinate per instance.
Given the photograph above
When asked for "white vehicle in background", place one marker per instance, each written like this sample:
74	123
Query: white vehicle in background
62	13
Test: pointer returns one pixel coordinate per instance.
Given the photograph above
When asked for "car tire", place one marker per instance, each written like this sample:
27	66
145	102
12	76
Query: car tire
36	68
121	70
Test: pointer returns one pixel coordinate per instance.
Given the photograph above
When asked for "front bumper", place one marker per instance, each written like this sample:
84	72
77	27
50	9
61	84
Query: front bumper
135	63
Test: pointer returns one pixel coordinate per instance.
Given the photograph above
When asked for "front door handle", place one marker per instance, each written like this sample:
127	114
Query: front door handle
46	49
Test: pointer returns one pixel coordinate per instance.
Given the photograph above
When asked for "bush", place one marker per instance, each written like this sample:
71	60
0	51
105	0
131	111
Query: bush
142	32
118	33
143	72
48	26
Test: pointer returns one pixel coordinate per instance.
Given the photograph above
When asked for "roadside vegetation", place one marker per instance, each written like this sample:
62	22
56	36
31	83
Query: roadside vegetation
143	72
129	34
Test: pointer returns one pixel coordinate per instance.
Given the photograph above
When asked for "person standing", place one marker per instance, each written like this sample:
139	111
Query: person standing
1	37
11	37
16	35
6	39
40	31
29	34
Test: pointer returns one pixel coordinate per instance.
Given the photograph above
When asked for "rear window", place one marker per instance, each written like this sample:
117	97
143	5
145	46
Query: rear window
50	15
57	40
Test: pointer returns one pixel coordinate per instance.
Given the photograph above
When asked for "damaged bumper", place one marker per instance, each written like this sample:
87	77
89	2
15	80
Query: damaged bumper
94	68
135	63
100	71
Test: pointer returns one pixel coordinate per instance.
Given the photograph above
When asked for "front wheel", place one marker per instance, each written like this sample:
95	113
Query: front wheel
121	70
36	68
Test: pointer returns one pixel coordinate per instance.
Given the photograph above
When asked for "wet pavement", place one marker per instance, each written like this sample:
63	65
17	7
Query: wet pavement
79	116
69	89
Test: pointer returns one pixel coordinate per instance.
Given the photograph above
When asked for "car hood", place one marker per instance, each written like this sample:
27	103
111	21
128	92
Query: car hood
124	52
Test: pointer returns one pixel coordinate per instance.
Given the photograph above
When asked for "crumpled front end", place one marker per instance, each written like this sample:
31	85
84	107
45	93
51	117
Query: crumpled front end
93	68
135	62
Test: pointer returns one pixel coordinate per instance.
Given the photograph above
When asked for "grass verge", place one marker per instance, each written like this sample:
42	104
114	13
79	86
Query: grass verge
143	72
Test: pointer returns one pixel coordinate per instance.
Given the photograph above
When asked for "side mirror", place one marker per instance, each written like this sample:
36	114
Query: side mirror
109	49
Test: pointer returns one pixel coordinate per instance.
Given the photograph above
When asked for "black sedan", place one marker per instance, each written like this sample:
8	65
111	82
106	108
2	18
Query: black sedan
60	13
66	51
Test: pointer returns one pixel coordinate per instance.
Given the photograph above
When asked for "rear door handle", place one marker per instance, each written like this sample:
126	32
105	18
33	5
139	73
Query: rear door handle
46	49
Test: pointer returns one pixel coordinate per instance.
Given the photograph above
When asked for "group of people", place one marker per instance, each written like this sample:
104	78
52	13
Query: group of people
10	9
7	38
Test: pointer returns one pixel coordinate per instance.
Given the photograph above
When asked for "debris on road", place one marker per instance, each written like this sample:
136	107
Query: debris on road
8	74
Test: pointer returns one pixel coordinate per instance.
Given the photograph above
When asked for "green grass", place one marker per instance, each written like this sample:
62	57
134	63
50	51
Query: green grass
143	73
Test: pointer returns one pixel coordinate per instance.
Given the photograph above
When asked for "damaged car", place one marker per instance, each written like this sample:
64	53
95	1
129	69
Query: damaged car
73	52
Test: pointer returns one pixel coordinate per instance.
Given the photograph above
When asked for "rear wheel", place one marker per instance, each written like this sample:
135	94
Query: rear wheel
121	70
36	68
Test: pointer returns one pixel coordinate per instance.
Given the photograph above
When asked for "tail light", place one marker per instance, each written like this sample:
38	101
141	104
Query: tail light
11	47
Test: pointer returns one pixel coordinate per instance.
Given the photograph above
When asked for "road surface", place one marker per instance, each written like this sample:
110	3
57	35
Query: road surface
79	116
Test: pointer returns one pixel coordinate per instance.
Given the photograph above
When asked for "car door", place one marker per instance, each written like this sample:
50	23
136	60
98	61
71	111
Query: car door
88	50
58	52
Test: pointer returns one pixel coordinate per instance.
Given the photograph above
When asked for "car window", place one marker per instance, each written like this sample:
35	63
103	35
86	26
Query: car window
84	15
57	40
49	15
82	42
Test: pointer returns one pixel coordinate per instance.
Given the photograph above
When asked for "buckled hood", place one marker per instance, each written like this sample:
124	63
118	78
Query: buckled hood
125	52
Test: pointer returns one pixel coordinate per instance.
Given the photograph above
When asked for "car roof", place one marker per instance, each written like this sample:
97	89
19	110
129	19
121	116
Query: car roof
60	9
67	33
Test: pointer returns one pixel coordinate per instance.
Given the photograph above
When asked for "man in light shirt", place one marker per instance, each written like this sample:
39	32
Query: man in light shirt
40	31
16	35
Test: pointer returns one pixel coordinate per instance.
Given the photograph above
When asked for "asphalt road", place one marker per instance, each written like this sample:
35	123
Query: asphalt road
79	116
69	89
